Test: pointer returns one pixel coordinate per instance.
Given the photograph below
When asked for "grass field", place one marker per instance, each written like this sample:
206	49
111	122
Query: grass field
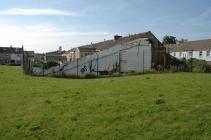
152	106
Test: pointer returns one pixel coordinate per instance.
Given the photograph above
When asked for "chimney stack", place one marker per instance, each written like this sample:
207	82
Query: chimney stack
117	37
60	48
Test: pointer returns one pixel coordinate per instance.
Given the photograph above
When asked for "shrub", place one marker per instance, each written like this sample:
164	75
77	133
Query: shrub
50	64
191	65
200	66
173	69
159	68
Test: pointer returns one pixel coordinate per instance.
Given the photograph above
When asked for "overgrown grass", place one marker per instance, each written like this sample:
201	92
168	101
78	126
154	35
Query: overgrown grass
152	106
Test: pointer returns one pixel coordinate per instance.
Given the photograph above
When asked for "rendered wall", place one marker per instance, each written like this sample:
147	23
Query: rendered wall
134	56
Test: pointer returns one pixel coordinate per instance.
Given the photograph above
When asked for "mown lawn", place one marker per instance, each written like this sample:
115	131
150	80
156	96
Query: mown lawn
152	106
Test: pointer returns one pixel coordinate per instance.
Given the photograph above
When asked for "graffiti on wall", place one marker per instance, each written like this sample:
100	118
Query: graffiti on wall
84	69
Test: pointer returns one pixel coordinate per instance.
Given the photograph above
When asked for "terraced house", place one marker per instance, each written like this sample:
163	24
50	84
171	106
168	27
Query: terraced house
11	55
200	49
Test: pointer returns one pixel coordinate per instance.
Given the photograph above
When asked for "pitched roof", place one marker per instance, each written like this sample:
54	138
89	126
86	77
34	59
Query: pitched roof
110	43
87	49
55	53
197	45
11	50
72	50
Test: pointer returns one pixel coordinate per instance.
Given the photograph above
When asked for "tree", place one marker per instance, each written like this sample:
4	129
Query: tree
182	40
169	40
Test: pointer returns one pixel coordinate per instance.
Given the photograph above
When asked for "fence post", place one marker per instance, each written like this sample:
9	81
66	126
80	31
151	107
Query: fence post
77	67
119	62
42	68
192	61
164	61
97	66
143	59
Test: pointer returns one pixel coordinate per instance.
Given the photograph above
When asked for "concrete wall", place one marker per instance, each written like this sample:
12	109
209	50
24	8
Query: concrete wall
134	56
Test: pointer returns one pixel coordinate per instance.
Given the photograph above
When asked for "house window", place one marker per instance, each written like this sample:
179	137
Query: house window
191	54
180	54
200	54
174	53
208	53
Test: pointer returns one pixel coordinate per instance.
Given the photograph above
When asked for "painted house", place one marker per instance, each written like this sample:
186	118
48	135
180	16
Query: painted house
200	49
70	55
79	52
11	55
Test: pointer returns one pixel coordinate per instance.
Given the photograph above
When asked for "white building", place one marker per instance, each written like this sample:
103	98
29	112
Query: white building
134	53
200	49
133	56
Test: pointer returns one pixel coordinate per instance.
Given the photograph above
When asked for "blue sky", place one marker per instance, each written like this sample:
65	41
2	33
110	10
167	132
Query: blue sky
43	25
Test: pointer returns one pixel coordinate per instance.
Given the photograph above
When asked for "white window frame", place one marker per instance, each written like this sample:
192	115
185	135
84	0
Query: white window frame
190	54
200	53
208	53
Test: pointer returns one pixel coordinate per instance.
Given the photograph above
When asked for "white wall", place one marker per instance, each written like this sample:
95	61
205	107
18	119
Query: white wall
132	56
195	54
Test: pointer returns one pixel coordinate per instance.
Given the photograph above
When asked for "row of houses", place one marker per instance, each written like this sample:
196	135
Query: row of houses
132	53
132	56
200	49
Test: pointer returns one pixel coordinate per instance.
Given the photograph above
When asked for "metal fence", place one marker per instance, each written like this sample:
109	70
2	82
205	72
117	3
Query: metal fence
130	57
134	56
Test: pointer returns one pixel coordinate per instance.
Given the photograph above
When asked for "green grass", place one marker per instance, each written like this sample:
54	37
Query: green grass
153	106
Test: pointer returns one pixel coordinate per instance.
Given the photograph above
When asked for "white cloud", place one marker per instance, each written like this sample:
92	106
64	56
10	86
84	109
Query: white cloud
45	30
36	12
43	38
